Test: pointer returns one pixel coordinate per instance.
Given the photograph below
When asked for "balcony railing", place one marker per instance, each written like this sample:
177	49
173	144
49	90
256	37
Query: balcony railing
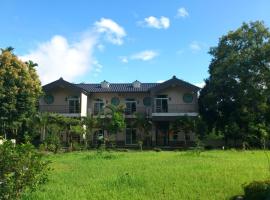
64	109
139	109
175	108
127	111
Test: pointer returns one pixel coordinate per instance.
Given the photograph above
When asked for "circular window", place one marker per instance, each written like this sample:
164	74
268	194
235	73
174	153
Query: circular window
48	99
115	101
188	98
147	101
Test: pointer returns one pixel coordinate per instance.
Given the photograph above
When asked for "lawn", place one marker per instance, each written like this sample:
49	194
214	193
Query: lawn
151	175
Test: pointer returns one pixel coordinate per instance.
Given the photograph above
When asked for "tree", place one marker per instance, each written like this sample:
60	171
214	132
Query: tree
144	125
20	89
185	125
90	122
113	120
236	94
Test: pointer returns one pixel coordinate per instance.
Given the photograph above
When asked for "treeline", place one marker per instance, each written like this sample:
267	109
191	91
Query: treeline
235	101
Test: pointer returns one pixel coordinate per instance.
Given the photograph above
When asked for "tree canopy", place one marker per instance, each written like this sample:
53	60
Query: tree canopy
20	89
236	95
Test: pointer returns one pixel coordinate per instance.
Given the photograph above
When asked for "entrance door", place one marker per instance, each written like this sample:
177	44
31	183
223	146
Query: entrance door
162	133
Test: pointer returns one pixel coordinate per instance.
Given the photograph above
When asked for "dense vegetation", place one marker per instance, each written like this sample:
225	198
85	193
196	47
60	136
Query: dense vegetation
235	100
22	169
20	89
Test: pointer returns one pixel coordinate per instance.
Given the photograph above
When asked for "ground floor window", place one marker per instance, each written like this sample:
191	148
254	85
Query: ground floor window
131	136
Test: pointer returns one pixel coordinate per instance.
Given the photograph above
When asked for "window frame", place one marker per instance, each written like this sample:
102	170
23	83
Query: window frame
133	131
130	111
98	109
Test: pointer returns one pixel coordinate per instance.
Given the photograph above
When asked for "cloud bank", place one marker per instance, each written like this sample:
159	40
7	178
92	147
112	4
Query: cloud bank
60	57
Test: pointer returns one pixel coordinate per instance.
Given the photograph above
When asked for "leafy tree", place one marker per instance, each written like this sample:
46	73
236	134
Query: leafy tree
20	89
185	125
90	122
144	125
236	94
113	120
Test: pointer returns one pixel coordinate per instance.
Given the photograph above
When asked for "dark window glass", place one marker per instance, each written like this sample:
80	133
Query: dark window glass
187	97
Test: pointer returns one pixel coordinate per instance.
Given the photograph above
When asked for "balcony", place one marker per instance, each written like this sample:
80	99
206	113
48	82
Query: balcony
129	112
175	110
66	110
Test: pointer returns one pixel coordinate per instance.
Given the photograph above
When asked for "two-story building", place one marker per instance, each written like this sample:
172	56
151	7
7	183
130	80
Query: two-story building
161	102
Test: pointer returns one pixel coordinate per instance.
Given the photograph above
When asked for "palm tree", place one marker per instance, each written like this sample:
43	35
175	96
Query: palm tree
41	120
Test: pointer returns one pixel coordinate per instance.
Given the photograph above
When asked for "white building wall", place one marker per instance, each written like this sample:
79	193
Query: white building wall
83	105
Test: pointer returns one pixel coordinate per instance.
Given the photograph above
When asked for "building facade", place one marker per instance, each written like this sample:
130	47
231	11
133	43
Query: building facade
162	103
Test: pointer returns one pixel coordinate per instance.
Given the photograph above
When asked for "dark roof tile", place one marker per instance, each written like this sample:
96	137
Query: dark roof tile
117	87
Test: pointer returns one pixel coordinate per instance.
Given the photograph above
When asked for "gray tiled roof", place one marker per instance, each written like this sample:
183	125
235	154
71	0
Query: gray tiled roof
117	87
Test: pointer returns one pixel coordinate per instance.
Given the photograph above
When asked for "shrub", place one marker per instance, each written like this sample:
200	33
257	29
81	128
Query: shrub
76	146
42	147
257	190
157	149
53	143
21	168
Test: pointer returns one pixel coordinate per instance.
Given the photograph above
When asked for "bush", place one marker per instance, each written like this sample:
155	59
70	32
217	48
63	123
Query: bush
157	149
21	169
76	146
259	190
53	143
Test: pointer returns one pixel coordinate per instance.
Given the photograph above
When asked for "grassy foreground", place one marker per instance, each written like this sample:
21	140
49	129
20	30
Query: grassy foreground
152	175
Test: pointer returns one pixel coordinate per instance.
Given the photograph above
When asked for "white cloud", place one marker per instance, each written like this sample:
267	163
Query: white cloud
144	55
160	81
123	59
60	57
153	22
114	33
182	12
195	46
201	85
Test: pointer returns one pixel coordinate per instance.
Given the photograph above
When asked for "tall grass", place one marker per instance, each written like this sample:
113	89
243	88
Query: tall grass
152	175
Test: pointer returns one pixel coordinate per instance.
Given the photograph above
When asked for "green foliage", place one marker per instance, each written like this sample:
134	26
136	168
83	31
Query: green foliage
20	89
21	169
156	149
184	124
115	118
90	123
236	95
257	190
144	125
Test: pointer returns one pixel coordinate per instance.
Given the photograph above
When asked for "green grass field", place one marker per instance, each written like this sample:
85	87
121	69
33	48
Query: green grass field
151	175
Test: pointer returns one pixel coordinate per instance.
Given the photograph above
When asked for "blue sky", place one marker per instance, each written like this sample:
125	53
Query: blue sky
122	40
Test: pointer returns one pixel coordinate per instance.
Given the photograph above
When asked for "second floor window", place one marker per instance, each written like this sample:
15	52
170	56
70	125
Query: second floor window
161	104
74	104
98	106
130	106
